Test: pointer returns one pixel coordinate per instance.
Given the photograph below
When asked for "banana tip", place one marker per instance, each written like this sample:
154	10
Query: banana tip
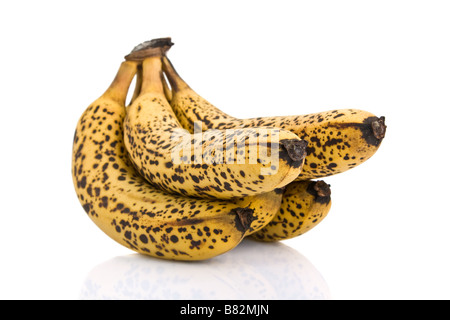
244	218
379	128
296	149
322	189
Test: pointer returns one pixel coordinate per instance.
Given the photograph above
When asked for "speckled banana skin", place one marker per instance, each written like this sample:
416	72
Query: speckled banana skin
338	139
149	127
139	216
305	204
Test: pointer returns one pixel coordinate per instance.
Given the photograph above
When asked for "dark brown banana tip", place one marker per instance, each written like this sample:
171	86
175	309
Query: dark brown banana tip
244	218
150	48
322	189
296	149
379	128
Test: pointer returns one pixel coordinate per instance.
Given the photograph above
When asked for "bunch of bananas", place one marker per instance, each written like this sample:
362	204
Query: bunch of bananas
171	176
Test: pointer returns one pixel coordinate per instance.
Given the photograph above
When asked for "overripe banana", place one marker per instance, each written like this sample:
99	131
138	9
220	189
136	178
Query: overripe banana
142	217
338	139
304	205
221	164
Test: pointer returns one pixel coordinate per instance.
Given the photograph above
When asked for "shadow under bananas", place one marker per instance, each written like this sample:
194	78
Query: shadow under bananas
252	270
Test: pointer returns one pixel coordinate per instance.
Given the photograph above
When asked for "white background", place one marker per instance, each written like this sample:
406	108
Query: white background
387	235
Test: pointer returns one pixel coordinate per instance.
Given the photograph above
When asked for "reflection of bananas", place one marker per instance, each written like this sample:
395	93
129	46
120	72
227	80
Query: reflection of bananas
253	270
304	205
142	217
338	140
205	171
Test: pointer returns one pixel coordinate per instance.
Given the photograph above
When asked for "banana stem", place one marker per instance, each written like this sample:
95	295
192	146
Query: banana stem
152	76
167	90
118	89
137	88
176	82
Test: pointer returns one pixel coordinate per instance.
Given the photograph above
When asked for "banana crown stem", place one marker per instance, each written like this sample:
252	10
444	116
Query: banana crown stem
146	49
118	89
